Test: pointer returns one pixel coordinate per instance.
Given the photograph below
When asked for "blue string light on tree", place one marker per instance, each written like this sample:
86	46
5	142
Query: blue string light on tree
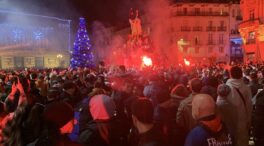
82	55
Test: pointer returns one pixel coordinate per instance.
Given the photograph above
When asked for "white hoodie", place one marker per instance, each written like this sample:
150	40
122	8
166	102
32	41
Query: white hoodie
244	110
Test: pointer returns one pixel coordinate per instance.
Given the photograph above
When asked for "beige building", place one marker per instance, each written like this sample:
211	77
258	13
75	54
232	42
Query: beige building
204	30
28	40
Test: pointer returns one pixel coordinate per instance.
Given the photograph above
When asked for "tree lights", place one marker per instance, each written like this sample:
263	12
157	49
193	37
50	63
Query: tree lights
82	55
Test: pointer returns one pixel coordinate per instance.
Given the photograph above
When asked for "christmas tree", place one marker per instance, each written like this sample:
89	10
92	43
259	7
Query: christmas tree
82	55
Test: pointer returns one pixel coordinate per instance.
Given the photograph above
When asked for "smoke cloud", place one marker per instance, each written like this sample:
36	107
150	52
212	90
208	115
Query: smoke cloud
159	19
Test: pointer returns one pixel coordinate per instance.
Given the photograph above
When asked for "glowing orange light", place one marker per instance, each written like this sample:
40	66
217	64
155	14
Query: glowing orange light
147	61
186	62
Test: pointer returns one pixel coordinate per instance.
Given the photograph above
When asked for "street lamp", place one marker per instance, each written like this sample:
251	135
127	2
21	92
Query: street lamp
59	57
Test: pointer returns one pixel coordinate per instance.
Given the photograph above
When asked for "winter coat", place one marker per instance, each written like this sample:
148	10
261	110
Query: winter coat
100	133
184	115
227	113
255	86
259	119
243	109
153	137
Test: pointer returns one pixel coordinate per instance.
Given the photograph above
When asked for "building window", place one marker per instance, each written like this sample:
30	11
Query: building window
185	11
238	12
221	38
196	41
251	15
210	23
251	38
210	11
222	23
197	11
252	35
233	13
210	38
221	49
221	11
210	50
197	50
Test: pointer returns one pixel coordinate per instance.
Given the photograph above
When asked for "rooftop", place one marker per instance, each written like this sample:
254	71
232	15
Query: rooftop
207	1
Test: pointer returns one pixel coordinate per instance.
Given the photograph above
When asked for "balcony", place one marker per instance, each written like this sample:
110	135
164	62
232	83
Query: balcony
210	42
200	13
251	41
251	22
210	28
221	28
185	28
198	28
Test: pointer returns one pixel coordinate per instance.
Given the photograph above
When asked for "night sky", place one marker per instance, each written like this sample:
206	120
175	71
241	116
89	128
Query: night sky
109	12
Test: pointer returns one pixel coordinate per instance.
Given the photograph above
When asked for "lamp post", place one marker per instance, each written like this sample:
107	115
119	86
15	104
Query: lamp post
59	57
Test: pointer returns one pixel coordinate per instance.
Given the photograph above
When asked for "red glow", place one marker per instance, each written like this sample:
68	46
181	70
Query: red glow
147	61
186	62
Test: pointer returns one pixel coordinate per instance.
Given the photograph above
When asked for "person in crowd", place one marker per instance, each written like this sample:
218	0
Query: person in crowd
101	130
209	87
71	93
254	83
226	109
209	131
240	96
258	128
178	94
142	116
184	117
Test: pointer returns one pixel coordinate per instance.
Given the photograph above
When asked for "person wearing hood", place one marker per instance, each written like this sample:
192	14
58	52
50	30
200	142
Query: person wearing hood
240	97
225	108
210	131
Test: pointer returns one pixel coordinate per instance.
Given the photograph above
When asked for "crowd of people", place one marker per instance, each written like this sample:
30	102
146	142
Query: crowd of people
117	106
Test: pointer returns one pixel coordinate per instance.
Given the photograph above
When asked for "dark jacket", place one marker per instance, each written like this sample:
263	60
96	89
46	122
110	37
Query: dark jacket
259	119
254	86
100	133
153	137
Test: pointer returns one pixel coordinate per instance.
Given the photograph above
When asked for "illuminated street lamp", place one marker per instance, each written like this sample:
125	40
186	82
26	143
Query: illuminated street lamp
60	56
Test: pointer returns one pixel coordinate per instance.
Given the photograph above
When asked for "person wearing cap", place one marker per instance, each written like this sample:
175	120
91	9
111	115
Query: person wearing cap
240	97
142	115
209	131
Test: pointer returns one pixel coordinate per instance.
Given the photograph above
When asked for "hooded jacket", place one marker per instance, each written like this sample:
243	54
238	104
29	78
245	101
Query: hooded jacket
243	109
